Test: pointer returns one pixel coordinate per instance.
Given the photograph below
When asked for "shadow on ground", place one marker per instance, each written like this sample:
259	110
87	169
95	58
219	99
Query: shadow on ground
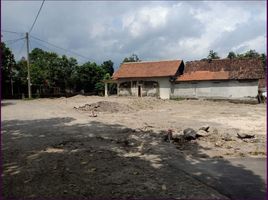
56	158
6	103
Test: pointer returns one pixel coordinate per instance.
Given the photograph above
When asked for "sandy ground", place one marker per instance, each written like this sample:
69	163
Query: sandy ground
52	149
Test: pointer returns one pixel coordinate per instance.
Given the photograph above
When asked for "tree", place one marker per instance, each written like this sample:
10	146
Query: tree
68	65
7	70
86	76
264	61
249	54
212	55
108	67
132	58
252	54
231	55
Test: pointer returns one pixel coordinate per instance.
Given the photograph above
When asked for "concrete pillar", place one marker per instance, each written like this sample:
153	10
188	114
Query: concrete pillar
106	90
117	88
131	86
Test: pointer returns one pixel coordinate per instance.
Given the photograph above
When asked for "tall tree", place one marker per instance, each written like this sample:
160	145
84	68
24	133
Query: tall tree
108	67
86	76
132	58
7	70
251	54
231	55
213	55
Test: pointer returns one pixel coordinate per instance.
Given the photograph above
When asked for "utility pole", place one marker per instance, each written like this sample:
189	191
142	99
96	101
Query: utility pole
10	77
28	66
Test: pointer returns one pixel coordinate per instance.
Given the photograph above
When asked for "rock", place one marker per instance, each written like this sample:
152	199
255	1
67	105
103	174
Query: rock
93	169
177	135
189	134
218	144
202	133
244	135
164	187
168	137
204	128
217	157
212	130
227	137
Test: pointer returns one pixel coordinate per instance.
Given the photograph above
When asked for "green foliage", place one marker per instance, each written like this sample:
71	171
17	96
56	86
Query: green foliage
8	65
87	76
108	67
213	55
250	54
107	76
264	61
49	70
231	55
132	58
99	86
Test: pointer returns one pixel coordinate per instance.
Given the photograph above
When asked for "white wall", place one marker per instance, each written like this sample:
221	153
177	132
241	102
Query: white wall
164	87
231	89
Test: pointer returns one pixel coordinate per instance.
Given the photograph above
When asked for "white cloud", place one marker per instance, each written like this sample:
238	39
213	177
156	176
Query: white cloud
256	44
153	30
144	19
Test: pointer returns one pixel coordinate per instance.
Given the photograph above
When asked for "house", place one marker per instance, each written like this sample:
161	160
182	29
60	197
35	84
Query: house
147	78
219	78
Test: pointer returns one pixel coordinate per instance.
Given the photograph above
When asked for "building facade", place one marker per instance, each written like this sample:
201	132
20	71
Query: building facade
219	78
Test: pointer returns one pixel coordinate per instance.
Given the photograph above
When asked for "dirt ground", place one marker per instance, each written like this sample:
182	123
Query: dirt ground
114	147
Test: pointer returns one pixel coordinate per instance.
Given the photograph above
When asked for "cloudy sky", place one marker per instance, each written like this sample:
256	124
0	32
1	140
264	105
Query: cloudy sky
153	30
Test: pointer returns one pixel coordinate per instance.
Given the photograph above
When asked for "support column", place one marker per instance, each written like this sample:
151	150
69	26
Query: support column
131	86
117	88
106	90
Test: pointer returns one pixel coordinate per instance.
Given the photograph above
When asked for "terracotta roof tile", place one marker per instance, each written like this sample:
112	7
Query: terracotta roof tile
220	69
204	75
148	69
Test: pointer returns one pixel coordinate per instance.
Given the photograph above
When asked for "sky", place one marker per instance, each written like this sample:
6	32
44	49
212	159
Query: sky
154	30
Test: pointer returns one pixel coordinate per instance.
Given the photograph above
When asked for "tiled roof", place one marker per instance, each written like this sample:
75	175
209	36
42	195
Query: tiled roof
148	69
204	75
220	69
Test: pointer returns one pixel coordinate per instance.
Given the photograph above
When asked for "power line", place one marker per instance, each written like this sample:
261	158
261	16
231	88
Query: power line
20	51
43	45
61	48
13	41
14	32
37	16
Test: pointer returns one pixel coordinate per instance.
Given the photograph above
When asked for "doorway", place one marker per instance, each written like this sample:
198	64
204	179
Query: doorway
139	91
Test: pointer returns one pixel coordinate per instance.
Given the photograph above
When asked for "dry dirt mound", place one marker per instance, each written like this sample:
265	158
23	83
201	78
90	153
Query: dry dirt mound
105	106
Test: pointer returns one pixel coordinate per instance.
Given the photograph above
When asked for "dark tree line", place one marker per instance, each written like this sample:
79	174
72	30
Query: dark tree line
232	55
50	74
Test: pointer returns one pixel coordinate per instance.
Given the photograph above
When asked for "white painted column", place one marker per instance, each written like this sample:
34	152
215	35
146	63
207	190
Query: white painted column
106	89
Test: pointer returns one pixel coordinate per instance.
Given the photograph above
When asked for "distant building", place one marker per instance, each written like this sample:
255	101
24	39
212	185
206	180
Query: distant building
219	78
148	78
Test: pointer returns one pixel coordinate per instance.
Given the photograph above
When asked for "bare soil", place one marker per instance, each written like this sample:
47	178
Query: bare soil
56	148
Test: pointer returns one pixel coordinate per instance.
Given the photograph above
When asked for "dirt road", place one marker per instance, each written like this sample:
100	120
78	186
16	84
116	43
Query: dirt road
55	148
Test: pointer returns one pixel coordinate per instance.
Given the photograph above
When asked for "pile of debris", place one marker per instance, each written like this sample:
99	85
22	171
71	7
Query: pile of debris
214	142
187	134
104	106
